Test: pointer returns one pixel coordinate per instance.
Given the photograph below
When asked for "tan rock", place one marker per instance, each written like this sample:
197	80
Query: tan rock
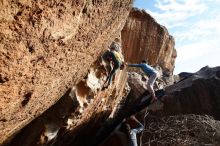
144	38
47	47
196	94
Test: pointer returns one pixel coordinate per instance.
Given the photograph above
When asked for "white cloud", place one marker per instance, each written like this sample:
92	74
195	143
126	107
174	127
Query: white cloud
192	51
193	56
173	12
181	6
196	64
210	23
195	25
203	29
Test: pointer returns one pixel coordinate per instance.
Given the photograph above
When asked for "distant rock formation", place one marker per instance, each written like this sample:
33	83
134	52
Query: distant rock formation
197	94
144	38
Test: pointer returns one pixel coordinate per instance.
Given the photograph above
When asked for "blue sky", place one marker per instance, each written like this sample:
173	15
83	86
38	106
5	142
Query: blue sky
195	25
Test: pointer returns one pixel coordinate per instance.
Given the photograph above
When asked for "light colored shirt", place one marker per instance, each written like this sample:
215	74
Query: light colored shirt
133	134
145	67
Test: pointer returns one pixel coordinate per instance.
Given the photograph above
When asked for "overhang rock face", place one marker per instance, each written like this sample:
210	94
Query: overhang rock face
47	47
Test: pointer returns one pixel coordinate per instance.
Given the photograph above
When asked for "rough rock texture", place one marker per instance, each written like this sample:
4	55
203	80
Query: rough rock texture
144	38
197	94
45	48
83	107
138	84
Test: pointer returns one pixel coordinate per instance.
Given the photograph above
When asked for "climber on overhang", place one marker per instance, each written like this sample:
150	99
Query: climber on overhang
152	73
116	59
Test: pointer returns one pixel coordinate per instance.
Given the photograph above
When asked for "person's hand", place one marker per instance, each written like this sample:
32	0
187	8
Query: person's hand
133	118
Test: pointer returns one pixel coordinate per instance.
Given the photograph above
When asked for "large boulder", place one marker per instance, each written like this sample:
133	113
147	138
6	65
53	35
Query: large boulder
196	94
79	114
47	47
143	38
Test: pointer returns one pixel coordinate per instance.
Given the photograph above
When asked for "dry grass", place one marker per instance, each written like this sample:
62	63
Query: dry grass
181	130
